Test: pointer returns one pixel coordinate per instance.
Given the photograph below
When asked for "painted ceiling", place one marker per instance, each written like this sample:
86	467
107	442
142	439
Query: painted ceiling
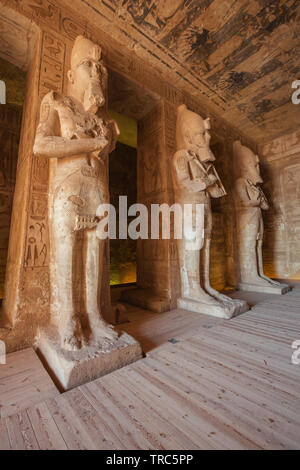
241	56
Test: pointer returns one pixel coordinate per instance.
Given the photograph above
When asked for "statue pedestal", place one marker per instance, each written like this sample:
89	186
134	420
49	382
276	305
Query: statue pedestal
223	310
279	290
73	368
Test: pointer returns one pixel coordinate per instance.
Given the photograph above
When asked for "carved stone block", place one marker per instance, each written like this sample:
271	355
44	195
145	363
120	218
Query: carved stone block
73	368
267	289
214	310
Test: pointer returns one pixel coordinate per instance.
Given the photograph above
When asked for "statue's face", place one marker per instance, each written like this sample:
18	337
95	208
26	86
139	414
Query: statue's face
199	143
250	165
88	69
254	170
87	79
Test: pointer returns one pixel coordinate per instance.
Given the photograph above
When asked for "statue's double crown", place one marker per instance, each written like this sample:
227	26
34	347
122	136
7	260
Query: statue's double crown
84	49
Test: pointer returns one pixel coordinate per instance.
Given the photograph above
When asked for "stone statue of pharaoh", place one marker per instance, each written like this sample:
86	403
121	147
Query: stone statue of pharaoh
195	181
76	135
249	203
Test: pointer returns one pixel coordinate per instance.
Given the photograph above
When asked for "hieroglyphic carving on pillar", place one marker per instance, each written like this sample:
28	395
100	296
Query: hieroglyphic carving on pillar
36	251
37	240
137	70
36	288
51	78
40	174
172	95
170	127
151	123
52	64
151	161
170	141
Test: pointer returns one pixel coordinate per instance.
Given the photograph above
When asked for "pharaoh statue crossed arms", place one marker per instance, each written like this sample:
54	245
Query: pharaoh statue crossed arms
77	136
250	201
195	181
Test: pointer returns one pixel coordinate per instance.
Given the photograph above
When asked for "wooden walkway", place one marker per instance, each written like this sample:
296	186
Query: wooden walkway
222	385
23	382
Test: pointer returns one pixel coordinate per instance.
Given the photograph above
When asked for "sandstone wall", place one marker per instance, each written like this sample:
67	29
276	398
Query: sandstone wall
281	172
10	125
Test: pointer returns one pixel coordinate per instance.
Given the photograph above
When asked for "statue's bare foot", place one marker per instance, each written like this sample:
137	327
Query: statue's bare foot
270	281
231	306
217	295
257	281
238	304
71	343
275	283
104	331
201	296
72	336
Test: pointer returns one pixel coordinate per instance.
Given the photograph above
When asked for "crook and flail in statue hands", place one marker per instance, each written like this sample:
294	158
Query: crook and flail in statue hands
77	136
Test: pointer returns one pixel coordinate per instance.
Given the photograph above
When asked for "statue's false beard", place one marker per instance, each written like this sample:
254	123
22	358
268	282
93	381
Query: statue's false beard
256	179
204	154
93	97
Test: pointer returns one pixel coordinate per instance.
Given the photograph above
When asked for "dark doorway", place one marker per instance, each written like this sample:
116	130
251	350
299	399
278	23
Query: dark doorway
123	182
128	104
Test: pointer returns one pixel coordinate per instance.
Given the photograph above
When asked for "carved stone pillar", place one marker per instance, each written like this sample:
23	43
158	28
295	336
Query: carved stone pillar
154	257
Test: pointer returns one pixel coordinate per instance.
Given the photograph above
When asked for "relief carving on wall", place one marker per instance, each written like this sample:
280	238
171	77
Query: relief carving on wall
150	157
43	10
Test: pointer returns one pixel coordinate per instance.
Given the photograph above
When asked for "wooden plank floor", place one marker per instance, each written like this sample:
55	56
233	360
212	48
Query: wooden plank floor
23	382
153	330
227	386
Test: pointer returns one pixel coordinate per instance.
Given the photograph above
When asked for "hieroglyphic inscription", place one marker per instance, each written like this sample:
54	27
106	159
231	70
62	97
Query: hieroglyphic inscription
51	78
36	253
71	29
52	64
150	156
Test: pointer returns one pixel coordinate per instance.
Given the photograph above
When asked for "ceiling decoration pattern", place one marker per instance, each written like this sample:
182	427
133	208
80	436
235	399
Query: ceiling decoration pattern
242	55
